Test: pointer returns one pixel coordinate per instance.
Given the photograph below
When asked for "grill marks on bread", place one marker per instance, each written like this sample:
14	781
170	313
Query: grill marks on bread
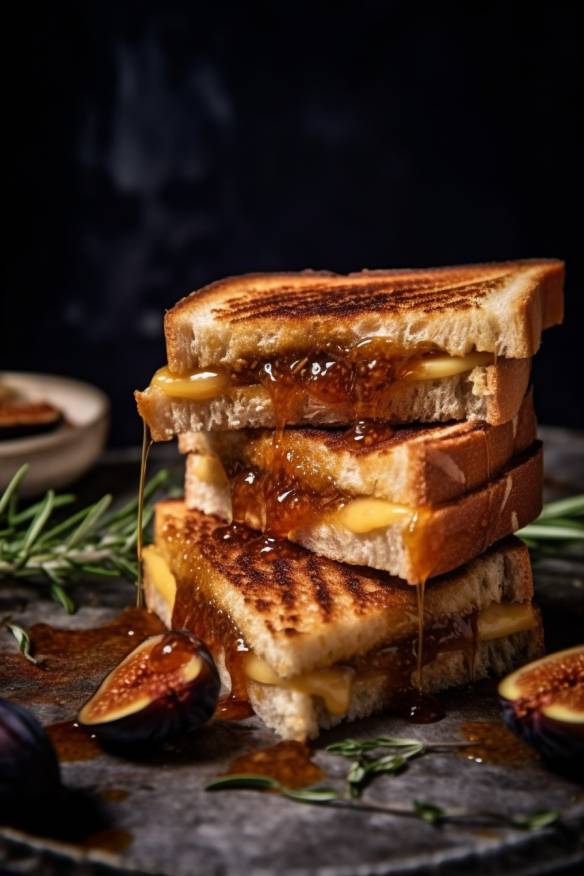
388	294
280	579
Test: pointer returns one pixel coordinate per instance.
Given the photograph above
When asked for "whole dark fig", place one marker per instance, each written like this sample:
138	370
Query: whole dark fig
28	763
543	703
166	687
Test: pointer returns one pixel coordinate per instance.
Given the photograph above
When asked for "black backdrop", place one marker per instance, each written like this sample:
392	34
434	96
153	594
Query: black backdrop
158	146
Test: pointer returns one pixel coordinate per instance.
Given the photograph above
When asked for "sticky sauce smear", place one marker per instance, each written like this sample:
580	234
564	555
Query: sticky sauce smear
494	743
114	795
287	762
111	839
72	742
74	662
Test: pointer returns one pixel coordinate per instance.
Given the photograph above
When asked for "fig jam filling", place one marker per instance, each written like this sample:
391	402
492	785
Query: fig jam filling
356	382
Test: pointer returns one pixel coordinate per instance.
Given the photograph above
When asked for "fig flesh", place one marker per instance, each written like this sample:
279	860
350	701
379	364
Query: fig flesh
543	703
166	687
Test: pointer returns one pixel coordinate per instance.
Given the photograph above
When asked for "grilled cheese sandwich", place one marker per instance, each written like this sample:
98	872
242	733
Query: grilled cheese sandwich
305	661
268	350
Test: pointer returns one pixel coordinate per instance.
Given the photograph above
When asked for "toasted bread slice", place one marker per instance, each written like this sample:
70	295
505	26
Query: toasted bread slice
491	394
500	307
294	714
411	465
413	543
299	611
318	624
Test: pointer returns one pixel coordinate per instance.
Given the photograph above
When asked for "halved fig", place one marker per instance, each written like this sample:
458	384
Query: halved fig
543	703
166	687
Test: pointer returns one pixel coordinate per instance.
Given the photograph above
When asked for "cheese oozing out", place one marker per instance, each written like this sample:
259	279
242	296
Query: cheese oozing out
334	685
209	384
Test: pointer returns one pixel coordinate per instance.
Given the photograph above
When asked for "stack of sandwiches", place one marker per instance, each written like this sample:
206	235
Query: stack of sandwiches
359	450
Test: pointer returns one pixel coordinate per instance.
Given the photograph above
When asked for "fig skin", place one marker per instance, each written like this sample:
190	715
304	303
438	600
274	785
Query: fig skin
28	763
559	742
175	692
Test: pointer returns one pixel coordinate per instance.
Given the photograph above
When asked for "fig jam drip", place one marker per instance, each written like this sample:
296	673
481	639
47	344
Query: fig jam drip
399	662
195	612
287	762
420	594
170	654
73	742
494	743
419	708
146	446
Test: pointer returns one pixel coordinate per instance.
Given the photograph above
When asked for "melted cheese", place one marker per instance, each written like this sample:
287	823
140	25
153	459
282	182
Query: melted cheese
332	685
159	575
198	386
366	514
500	620
438	367
207	469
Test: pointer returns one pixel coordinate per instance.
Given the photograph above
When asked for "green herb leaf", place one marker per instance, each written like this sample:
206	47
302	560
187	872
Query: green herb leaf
571	507
353	748
88	542
537	531
23	641
60	595
243	781
535	821
311	795
12	488
429	812
390	764
89	522
37	523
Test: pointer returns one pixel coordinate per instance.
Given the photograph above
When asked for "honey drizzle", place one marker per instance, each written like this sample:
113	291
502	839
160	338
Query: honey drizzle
400	662
420	594
146	446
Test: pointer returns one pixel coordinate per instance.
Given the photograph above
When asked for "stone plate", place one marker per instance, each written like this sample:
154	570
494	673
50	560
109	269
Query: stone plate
169	824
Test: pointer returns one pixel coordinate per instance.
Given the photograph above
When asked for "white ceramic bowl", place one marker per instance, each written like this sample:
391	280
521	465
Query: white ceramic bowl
56	458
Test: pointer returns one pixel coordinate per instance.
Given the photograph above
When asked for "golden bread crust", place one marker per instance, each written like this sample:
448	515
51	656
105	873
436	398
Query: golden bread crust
300	611
500	307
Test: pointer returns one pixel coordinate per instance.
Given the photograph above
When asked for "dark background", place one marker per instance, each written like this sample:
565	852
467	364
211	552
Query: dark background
158	146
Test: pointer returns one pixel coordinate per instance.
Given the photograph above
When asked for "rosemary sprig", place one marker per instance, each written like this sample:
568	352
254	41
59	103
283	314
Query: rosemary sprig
559	526
91	542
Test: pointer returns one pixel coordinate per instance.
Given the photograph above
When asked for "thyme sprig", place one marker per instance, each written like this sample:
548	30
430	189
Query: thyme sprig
423	810
387	755
92	542
372	757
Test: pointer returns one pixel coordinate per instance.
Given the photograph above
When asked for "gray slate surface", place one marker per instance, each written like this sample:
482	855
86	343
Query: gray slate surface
180	829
